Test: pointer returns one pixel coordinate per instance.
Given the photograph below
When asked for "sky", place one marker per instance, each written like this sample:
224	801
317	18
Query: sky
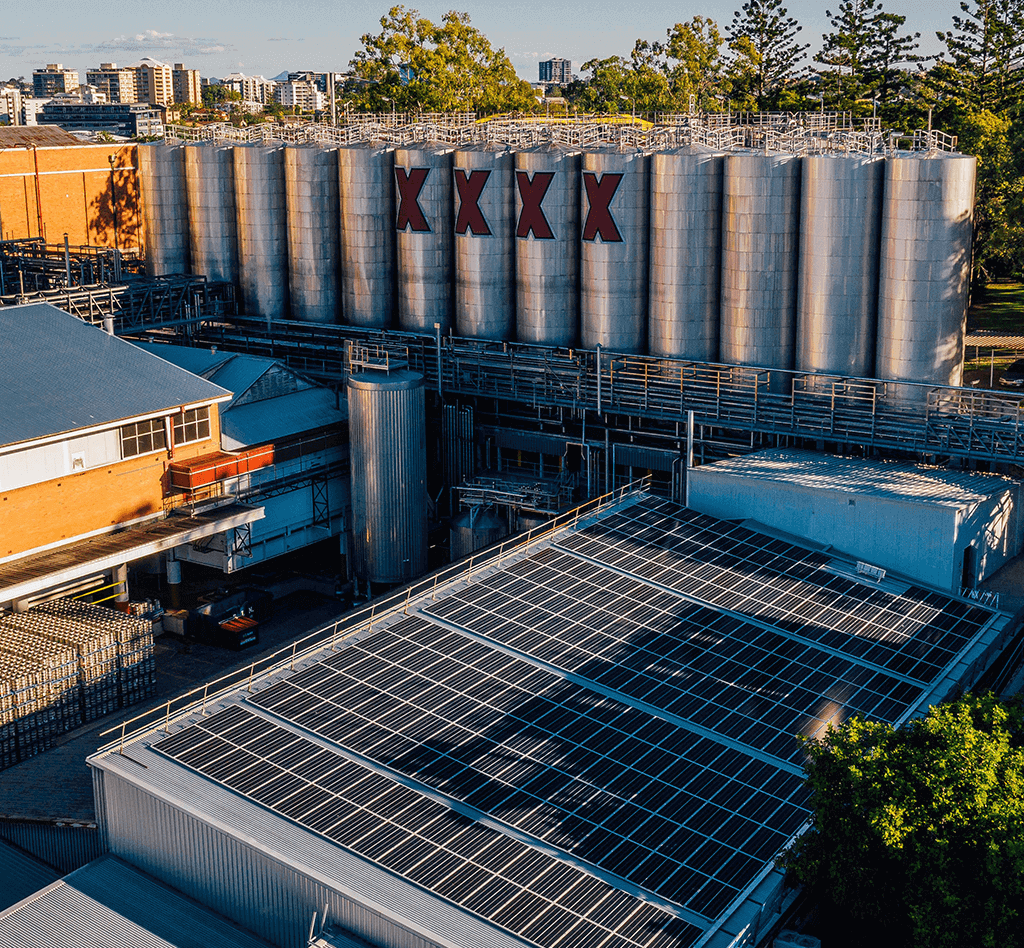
267	37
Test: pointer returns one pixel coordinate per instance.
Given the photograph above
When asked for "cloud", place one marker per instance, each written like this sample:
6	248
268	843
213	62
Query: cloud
286	39
155	41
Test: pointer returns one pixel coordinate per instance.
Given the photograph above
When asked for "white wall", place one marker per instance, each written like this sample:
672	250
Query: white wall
920	540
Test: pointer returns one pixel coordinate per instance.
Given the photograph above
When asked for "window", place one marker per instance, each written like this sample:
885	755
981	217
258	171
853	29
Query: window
192	425
143	437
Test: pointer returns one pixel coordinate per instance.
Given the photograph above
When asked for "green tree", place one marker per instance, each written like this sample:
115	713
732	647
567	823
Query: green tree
215	96
414	64
765	54
887	59
984	55
604	90
918	833
696	65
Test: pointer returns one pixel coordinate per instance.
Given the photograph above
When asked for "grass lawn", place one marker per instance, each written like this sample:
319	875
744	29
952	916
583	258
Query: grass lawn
1000	308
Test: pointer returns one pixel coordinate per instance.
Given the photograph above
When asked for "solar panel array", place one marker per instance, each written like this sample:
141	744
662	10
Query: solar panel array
487	872
620	707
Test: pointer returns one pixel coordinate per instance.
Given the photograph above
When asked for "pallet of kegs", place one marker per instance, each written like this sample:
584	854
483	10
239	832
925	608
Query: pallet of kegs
21	683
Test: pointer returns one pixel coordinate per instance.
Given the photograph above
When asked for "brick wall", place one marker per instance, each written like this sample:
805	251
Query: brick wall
59	510
52	191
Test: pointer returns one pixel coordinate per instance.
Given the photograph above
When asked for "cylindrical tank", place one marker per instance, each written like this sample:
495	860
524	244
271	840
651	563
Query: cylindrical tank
614	215
837	286
311	182
686	253
475	528
927	220
262	230
165	205
547	246
760	231
484	243
213	228
423	192
366	195
387	428
530	519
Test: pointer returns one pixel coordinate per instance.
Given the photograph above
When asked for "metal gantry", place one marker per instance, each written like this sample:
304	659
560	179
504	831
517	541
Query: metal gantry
899	417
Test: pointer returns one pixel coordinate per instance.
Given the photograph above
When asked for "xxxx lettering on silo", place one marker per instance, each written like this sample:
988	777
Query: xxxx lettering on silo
410	214
599	222
531	217
471	218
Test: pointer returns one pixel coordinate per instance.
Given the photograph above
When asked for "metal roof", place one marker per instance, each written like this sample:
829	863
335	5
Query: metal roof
911	483
43	136
21	875
59	374
276	418
586	740
256	414
109	904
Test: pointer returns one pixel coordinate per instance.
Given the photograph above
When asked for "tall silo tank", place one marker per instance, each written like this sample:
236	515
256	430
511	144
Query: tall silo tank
474	529
760	235
927	221
837	285
213	227
387	431
484	243
165	208
423	193
311	184
686	253
547	253
614	229
366	195
262	230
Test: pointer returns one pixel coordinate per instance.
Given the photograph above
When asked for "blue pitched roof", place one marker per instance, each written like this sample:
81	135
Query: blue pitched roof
59	374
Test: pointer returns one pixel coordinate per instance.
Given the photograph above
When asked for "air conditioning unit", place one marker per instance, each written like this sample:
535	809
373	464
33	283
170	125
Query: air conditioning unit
789	939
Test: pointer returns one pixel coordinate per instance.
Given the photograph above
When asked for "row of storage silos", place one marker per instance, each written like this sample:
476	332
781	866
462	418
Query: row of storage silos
845	264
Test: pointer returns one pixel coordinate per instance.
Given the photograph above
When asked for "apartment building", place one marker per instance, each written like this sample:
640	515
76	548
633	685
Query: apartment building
53	79
154	81
117	82
188	87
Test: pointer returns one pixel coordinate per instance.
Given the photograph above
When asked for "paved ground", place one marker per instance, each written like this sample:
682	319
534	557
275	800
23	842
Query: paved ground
58	784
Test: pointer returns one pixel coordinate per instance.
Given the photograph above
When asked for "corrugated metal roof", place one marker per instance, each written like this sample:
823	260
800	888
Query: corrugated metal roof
40	135
112	904
276	418
21	875
913	483
258	419
59	374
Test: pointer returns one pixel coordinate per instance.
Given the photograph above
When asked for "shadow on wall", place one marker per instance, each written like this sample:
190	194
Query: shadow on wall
114	215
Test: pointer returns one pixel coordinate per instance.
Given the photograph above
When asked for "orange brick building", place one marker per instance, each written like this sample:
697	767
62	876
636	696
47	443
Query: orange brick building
89	192
89	429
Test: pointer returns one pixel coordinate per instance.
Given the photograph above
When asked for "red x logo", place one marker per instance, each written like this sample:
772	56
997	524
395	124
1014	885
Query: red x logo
409	186
531	217
599	218
470	215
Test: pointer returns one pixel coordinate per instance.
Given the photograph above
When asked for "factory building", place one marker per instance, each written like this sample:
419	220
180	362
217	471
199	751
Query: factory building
296	440
949	529
84	468
588	739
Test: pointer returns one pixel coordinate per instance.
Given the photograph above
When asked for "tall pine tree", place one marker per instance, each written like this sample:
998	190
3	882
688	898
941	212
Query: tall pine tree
762	38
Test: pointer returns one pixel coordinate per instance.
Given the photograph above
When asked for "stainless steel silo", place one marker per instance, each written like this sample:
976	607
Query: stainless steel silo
474	529
614	219
760	233
387	428
311	183
837	285
484	243
423	192
213	227
165	208
366	194
547	246
927	220
686	253
262	230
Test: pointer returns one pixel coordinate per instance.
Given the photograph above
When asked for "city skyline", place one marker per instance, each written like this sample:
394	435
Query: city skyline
256	37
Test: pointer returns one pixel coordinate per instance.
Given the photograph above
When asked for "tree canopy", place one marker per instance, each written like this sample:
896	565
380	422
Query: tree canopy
414	64
918	832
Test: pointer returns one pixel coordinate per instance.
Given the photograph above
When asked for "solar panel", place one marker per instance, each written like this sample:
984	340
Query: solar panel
501	879
750	684
594	777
